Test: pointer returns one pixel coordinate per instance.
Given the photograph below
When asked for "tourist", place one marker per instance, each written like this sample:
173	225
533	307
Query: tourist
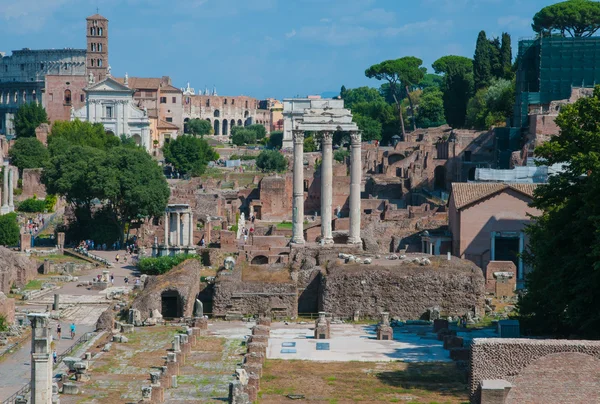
54	356
112	278
202	242
125	258
137	281
58	331
126	280
72	330
117	258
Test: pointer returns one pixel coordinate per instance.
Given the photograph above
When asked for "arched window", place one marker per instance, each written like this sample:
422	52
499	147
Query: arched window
217	113
239	122
208	102
16	98
99	47
225	101
246	103
92	31
93	47
232	101
67	97
217	127
246	113
99	31
33	96
24	96
99	62
92	62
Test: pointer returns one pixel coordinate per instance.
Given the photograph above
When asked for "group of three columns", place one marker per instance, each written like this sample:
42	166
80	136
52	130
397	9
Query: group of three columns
184	230
326	187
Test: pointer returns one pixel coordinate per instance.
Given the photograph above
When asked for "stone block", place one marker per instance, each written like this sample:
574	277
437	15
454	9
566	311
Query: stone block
157	394
25	242
174	382
237	395
266	321
257	347
322	331
253	387
70	388
107	347
452	341
261	330
443	332
256	369
254	358
258	338
70	362
440	324
494	391
200	322
385	333
127	328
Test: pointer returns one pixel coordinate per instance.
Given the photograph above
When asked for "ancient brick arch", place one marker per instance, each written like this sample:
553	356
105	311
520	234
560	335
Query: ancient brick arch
565	377
260	260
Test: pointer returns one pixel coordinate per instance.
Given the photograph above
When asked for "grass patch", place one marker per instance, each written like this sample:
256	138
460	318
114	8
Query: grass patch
59	258
285	226
33	285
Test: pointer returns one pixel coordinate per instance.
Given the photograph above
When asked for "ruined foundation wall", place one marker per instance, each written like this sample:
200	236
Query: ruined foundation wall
405	290
540	371
232	295
15	269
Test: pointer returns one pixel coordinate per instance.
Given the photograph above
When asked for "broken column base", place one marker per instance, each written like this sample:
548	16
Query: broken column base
385	333
200	323
237	395
322	331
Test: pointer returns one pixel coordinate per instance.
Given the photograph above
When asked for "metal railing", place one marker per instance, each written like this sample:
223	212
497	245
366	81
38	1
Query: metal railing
27	388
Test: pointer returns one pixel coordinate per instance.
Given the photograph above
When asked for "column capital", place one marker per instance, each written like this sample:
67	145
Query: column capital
327	137
355	137
298	136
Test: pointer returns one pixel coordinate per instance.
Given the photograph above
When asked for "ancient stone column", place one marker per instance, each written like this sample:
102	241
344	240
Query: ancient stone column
41	359
355	180
178	230
5	190
167	218
185	231
326	186
298	192
11	187
191	229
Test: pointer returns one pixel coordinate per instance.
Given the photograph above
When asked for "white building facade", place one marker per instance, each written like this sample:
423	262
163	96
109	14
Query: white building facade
111	103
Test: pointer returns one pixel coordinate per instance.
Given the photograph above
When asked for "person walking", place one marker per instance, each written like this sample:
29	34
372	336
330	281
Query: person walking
58	331
112	278
54	356
72	330
117	258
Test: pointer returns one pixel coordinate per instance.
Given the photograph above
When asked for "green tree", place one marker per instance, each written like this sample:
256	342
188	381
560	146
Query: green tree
28	152
562	288
9	230
189	154
260	130
491	106
578	18
457	87
506	57
28	117
371	128
271	160
483	62
199	127
400	74
69	133
431	80
382	112
243	136
431	108
276	139
309	144
360	94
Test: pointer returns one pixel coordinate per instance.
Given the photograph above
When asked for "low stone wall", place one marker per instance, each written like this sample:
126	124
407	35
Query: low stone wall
232	295
540	371
404	289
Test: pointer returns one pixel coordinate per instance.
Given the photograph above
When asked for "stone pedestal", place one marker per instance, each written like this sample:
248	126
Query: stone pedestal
494	391
261	330
322	327
56	304
60	240
440	324
384	331
298	190
25	242
355	183
200	323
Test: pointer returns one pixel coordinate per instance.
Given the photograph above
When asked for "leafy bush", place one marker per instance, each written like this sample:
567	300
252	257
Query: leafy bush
340	155
9	229
32	205
3	323
275	139
50	202
243	136
161	265
242	157
271	160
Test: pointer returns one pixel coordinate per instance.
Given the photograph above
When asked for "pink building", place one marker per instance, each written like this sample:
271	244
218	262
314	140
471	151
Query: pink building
487	221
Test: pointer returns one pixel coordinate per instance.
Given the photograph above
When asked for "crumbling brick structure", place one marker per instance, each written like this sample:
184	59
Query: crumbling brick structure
15	270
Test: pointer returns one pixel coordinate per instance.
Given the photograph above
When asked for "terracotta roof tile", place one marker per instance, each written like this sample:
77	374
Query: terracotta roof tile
166	125
170	89
141	83
466	193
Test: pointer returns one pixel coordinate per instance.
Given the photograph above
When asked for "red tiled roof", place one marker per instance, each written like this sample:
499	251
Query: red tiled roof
170	89
166	125
141	83
467	193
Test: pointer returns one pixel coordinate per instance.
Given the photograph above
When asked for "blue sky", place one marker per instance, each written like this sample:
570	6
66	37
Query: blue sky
266	48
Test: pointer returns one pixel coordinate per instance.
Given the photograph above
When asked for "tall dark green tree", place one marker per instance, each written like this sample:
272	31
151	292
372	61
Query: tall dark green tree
562	296
199	127
9	230
506	57
457	87
575	18
28	152
71	133
28	117
482	62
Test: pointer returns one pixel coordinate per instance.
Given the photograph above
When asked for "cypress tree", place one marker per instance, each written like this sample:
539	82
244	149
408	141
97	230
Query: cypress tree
482	66
506	56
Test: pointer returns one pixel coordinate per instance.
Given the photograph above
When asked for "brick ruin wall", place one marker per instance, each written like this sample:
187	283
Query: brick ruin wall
32	183
15	269
232	295
405	290
540	371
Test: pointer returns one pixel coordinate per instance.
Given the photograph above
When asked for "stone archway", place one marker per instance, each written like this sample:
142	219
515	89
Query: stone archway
557	378
225	127
439	174
260	260
217	127
137	139
171	304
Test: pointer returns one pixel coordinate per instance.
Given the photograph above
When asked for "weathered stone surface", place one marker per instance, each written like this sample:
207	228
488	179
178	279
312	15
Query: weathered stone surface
7	308
15	269
540	371
405	290
184	279
70	388
105	321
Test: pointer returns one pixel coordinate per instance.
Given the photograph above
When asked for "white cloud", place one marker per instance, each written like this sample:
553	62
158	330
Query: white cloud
431	25
514	22
290	34
337	35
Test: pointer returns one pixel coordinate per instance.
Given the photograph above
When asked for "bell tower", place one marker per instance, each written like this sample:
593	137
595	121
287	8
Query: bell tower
97	47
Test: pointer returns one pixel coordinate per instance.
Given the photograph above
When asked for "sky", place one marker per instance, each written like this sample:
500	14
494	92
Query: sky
266	48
